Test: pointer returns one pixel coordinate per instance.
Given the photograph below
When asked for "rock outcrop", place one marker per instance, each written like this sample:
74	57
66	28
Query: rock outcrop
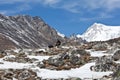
116	55
104	64
24	31
66	61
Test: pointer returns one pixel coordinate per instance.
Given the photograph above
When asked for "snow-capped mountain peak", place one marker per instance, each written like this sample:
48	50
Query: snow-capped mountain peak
101	32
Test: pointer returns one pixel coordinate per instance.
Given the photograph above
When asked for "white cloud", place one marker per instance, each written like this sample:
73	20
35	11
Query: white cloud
49	2
70	7
113	4
102	4
3	12
103	7
46	2
94	18
10	1
15	10
77	6
100	16
24	5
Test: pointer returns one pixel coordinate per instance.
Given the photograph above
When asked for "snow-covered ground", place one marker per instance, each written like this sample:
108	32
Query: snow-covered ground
40	58
97	53
13	65
83	72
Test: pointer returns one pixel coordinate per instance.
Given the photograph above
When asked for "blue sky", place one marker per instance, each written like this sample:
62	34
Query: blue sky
67	16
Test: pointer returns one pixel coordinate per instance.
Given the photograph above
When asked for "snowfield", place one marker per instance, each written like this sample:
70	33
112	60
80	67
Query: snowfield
83	72
13	65
97	53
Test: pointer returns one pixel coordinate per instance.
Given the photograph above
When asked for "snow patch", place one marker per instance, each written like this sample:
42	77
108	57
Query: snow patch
82	72
13	65
1	20
13	40
97	53
41	50
40	58
62	35
78	36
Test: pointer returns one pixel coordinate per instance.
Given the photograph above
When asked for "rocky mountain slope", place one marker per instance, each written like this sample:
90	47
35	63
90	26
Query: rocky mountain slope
100	32
24	31
101	61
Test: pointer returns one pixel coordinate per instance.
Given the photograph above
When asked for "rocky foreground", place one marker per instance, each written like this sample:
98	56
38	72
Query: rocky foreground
90	61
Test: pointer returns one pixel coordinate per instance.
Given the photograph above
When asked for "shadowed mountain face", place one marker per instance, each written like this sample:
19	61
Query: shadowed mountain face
24	31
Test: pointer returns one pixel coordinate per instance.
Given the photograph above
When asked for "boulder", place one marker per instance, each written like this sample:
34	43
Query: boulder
66	61
58	43
21	55
24	75
8	75
104	64
40	65
74	78
80	52
100	46
3	54
116	55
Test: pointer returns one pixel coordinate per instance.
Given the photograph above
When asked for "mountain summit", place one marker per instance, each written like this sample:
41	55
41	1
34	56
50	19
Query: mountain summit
24	31
101	32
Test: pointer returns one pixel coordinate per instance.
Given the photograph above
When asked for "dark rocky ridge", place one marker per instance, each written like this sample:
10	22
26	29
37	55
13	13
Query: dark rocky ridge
24	31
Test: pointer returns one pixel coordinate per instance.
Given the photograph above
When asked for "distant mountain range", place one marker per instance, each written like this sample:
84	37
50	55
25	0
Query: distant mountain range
24	31
100	32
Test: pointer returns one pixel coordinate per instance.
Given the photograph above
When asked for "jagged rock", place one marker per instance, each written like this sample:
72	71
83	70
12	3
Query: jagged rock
116	55
21	55
100	46
75	78
58	43
116	73
107	77
64	56
66	61
39	53
3	54
24	75
40	65
104	63
7	75
80	52
18	74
